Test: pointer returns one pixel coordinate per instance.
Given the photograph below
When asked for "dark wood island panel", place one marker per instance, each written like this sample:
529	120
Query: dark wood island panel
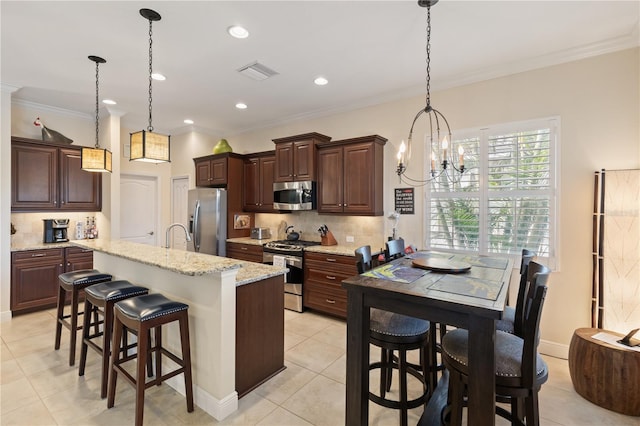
259	333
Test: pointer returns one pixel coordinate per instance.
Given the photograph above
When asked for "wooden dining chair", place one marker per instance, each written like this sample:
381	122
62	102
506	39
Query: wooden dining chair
513	317
363	259
520	371
394	249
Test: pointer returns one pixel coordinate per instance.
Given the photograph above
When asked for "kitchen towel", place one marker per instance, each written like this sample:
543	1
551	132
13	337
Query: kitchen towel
280	261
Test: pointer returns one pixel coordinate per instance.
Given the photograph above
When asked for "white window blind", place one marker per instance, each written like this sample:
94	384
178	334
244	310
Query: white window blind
506	198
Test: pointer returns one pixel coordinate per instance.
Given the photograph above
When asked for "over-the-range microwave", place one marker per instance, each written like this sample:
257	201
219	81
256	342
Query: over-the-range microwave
294	195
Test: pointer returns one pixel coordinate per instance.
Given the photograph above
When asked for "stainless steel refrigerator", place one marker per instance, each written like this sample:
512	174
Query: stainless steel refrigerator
208	220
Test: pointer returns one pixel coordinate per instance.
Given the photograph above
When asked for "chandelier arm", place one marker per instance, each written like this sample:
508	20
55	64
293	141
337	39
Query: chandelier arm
414	183
410	139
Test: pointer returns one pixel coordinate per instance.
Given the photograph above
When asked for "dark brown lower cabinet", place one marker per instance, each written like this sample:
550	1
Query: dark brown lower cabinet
34	279
78	258
323	275
34	276
259	333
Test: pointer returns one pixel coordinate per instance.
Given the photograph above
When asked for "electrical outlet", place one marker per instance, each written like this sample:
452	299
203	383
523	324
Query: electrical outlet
350	238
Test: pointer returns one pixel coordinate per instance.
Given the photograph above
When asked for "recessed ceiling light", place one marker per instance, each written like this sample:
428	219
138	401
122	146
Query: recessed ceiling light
320	81
240	105
158	76
187	121
109	101
237	31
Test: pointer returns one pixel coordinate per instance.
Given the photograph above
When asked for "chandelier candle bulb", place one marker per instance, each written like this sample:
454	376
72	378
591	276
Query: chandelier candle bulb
461	155
433	161
445	145
401	152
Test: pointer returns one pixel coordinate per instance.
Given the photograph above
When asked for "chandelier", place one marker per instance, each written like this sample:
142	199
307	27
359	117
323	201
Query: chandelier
439	129
96	159
147	145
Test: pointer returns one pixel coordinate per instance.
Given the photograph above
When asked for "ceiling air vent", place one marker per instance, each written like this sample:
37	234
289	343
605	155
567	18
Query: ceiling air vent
257	71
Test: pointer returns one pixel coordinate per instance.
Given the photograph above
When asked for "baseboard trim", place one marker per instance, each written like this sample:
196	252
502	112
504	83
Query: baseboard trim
219	409
553	349
5	316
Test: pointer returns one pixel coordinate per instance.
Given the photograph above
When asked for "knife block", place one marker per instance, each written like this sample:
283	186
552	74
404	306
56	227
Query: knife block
328	240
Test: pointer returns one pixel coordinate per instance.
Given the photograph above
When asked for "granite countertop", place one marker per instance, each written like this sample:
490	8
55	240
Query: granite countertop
40	246
180	261
251	241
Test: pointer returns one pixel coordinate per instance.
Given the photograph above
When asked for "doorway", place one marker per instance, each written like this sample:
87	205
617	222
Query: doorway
139	209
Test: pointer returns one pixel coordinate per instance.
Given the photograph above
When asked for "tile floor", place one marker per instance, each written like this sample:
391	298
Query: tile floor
37	387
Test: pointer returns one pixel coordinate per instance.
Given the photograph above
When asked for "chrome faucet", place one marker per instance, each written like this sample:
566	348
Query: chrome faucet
184	228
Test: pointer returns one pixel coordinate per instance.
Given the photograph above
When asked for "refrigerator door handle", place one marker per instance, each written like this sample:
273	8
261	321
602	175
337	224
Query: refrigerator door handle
196	227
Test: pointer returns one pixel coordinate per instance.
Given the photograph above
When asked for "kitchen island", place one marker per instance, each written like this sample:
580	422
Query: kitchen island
236	315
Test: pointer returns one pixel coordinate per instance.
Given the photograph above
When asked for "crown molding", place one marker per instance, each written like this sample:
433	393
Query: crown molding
9	88
626	41
49	108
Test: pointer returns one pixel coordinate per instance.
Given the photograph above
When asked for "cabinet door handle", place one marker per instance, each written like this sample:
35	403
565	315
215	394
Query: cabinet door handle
330	301
68	264
243	248
39	255
330	259
329	277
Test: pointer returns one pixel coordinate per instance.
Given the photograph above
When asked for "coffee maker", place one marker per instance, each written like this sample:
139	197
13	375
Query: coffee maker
55	230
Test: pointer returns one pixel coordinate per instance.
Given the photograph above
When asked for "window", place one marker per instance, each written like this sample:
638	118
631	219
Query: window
505	200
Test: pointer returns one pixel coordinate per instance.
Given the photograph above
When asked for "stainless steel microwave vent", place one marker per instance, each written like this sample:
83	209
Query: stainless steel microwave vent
257	71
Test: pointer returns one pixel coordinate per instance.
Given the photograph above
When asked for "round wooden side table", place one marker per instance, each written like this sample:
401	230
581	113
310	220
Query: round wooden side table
604	374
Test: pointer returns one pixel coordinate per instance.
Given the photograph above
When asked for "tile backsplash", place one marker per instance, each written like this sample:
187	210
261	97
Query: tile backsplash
30	227
364	229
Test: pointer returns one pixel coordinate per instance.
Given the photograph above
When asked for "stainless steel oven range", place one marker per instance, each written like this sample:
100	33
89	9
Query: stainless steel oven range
289	253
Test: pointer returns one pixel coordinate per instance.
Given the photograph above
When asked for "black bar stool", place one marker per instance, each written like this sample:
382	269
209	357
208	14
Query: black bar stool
73	282
395	332
141	314
100	298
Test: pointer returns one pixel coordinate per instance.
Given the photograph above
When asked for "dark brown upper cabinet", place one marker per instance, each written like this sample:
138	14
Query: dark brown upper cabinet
295	157
350	176
258	182
48	177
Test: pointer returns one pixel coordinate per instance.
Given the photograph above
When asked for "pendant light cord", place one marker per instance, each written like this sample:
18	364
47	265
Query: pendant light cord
97	109
150	128
428	60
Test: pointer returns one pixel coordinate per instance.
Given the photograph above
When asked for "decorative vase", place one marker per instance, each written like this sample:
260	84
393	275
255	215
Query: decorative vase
222	146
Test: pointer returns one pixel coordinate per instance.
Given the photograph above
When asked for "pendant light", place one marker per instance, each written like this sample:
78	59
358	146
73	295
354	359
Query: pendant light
147	145
96	159
436	119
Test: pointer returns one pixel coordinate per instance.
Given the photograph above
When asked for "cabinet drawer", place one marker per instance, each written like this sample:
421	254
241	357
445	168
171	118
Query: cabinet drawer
78	251
247	252
31	255
326	277
346	264
317	297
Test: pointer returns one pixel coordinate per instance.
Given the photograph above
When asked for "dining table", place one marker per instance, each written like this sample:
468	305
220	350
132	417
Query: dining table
459	290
